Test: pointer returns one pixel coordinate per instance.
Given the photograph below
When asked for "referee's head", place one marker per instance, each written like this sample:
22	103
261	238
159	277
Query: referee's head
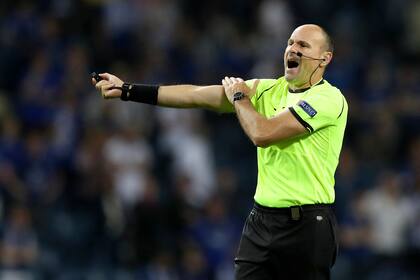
309	50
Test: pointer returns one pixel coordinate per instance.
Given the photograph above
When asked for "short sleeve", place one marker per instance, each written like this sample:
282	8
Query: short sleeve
319	109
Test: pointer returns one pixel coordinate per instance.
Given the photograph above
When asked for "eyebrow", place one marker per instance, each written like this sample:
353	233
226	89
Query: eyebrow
300	42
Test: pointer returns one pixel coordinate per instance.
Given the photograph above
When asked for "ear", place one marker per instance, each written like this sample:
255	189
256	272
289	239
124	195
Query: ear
327	57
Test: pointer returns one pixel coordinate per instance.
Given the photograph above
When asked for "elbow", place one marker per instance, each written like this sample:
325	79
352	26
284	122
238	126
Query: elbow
260	137
260	141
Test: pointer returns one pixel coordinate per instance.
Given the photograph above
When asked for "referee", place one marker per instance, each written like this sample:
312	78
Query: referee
297	123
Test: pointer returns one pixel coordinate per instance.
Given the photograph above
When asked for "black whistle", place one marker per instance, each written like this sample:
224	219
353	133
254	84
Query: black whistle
96	76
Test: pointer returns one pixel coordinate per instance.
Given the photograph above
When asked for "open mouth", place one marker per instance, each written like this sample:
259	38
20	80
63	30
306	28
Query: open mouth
292	64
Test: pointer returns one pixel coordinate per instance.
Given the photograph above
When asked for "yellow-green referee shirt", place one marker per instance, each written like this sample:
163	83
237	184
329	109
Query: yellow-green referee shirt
300	170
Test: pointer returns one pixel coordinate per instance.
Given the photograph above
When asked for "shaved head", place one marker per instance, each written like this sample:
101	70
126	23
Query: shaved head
328	43
329	46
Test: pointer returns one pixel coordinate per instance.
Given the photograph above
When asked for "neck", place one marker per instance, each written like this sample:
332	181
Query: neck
305	85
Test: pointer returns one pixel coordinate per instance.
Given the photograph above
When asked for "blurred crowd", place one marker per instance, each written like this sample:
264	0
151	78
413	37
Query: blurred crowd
104	189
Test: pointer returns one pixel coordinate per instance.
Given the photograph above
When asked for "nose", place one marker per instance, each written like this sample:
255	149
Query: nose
293	51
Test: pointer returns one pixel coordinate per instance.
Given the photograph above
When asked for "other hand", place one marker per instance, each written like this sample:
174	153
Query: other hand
233	85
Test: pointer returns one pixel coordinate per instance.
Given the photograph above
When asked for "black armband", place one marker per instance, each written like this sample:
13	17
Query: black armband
140	93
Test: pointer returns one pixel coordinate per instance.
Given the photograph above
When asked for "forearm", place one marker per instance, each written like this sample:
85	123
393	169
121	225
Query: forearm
190	96
251	121
265	131
177	96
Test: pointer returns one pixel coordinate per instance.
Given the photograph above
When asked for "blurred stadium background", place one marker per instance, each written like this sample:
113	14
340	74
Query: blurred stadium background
94	189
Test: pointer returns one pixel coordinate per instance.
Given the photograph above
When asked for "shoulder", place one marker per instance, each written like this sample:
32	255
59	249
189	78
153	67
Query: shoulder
267	85
327	99
265	88
329	92
263	84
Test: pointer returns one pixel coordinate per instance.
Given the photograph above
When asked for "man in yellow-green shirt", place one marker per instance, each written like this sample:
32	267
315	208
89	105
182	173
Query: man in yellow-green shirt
297	123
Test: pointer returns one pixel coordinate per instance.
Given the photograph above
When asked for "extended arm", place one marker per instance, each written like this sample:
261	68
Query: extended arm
261	130
190	96
177	96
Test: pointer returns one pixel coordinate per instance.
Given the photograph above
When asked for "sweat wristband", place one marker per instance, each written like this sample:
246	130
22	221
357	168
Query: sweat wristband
140	93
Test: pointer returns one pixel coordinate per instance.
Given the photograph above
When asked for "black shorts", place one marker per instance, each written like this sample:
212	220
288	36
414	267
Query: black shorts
281	243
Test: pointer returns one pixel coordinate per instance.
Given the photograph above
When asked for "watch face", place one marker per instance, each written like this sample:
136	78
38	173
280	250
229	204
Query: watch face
238	96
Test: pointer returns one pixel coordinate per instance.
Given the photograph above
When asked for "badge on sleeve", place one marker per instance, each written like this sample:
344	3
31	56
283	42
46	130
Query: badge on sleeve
307	108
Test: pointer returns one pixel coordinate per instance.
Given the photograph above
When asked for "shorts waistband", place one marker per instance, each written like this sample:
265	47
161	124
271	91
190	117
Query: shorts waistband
286	210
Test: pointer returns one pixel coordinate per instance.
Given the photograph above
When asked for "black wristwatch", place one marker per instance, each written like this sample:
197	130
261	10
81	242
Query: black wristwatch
238	96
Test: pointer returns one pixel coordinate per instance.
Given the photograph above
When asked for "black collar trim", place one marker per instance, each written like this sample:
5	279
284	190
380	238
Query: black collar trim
305	89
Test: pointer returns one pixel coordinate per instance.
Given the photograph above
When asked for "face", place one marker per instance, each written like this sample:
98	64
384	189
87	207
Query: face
308	40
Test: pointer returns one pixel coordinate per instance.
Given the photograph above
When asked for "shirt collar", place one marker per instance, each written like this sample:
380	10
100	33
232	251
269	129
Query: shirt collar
305	89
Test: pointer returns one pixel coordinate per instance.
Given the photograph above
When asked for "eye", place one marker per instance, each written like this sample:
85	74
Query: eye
304	44
290	42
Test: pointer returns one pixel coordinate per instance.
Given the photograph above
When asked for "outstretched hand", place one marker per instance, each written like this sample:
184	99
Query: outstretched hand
233	85
109	86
